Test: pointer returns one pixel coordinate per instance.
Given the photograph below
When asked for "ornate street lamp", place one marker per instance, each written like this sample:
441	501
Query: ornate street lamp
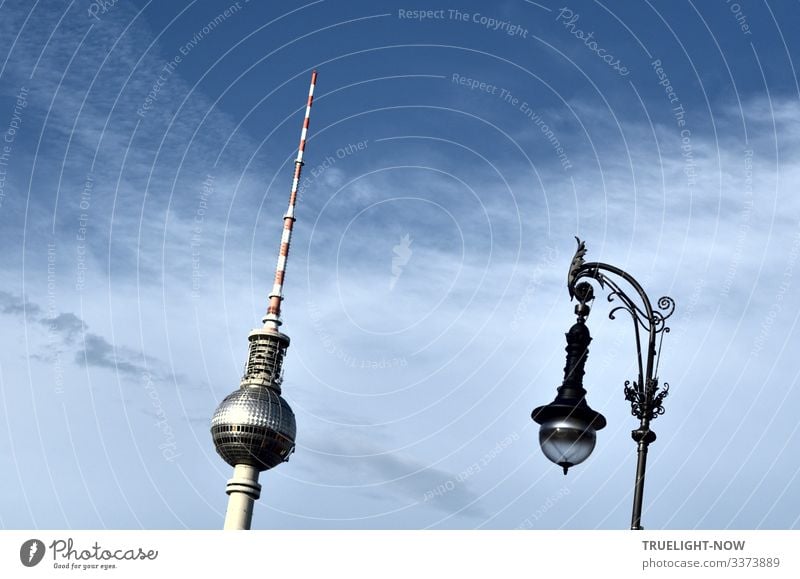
568	425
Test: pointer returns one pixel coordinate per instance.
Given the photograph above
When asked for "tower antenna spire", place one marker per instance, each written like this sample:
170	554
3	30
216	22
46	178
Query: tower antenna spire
254	428
273	316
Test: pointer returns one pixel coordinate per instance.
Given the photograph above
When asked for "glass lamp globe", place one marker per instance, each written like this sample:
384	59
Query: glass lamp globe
567	441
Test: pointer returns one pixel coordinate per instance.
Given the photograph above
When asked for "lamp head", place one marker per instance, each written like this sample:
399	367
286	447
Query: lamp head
568	431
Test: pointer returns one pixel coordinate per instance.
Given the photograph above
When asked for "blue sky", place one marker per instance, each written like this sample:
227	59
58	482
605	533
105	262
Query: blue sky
454	153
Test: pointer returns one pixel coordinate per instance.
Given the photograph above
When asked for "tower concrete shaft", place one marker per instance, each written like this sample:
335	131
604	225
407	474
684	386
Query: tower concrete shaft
243	491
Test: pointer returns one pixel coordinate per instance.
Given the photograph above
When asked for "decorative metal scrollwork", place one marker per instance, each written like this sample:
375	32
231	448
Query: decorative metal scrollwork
647	402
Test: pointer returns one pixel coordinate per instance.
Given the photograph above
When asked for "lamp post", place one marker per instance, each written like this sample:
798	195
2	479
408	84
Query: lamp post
568	425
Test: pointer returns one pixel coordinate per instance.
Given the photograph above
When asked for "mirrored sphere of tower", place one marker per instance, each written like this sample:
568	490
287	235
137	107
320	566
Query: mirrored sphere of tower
254	426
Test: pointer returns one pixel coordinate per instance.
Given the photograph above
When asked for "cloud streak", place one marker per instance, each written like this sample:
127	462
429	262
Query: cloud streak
94	350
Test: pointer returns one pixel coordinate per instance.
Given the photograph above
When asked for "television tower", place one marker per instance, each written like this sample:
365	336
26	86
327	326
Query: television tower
254	428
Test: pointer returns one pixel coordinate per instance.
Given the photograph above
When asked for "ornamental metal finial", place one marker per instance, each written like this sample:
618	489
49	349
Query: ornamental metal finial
575	266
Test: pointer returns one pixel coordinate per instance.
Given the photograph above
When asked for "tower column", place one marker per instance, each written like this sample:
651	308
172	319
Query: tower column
243	490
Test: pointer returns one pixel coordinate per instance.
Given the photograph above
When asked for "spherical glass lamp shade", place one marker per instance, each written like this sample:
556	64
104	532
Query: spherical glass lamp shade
567	441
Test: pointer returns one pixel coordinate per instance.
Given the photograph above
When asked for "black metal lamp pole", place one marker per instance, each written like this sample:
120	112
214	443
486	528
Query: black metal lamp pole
568	426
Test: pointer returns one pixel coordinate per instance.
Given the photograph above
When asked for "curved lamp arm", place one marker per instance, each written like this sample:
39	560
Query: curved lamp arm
646	401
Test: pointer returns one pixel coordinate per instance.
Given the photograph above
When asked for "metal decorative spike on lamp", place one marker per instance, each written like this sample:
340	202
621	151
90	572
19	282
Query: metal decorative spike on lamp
254	427
568	430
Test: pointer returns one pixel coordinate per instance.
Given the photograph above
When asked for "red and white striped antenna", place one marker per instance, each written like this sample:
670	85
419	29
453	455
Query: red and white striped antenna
273	317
